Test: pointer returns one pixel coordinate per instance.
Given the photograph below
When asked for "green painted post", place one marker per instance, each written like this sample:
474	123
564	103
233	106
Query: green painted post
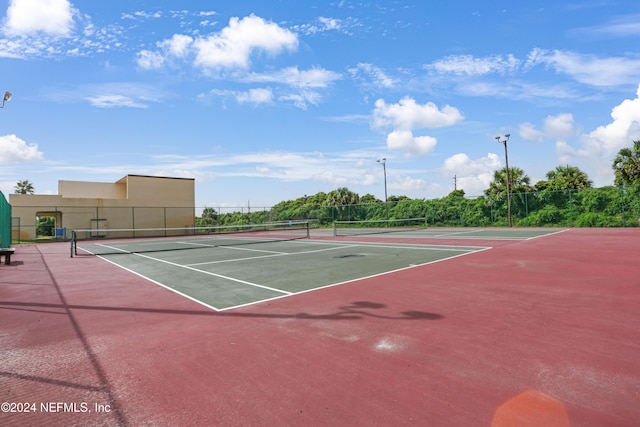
570	210
622	205
491	208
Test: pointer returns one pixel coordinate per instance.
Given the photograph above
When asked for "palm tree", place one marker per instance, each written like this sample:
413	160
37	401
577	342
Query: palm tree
626	165
369	198
342	196
518	180
24	187
341	199
567	178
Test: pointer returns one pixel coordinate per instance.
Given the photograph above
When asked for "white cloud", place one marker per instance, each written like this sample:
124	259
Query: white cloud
323	24
621	132
514	89
589	69
291	76
407	115
148	15
378	78
54	29
256	96
14	149
469	65
629	25
149	60
269	172
472	176
302	82
329	23
302	99
340	178
177	46
332	178
110	95
567	154
560	126
604	142
115	101
529	132
412	145
231	48
252	96
52	17
407	184
460	164
234	45
345	168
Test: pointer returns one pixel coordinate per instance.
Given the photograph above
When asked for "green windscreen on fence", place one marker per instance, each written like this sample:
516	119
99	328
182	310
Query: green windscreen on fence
5	222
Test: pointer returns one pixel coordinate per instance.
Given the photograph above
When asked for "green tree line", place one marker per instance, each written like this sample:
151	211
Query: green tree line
565	199
591	207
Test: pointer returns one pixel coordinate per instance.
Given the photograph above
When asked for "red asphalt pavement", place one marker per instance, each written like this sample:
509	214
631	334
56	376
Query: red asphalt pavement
534	333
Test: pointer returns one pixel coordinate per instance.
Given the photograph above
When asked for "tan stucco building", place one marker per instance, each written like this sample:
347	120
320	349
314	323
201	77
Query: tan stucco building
134	201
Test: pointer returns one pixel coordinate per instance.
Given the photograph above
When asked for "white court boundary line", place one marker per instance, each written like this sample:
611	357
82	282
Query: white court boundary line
453	233
269	256
356	279
336	245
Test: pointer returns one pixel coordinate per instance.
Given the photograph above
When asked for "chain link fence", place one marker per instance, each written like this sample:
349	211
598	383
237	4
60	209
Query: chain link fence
591	207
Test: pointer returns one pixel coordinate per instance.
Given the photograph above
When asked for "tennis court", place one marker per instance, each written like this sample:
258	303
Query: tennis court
230	270
413	326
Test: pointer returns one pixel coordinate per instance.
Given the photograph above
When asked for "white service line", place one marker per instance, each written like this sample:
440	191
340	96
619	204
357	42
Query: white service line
216	275
451	233
269	256
169	288
358	279
233	247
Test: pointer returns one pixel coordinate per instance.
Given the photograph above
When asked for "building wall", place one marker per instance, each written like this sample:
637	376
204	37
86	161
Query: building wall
92	190
146	190
132	202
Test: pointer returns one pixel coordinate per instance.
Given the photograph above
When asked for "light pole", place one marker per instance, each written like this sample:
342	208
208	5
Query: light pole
7	96
383	162
506	160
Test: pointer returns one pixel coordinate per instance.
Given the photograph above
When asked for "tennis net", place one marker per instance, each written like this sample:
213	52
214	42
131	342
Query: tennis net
127	241
354	228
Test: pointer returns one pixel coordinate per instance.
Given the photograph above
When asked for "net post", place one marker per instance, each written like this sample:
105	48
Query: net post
335	230
308	229
73	243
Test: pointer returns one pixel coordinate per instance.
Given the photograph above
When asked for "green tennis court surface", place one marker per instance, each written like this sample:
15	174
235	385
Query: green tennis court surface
440	233
233	275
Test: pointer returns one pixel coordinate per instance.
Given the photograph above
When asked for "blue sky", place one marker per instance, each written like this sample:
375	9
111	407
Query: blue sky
268	101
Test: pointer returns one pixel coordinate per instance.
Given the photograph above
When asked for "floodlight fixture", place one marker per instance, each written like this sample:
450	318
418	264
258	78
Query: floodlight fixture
7	96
